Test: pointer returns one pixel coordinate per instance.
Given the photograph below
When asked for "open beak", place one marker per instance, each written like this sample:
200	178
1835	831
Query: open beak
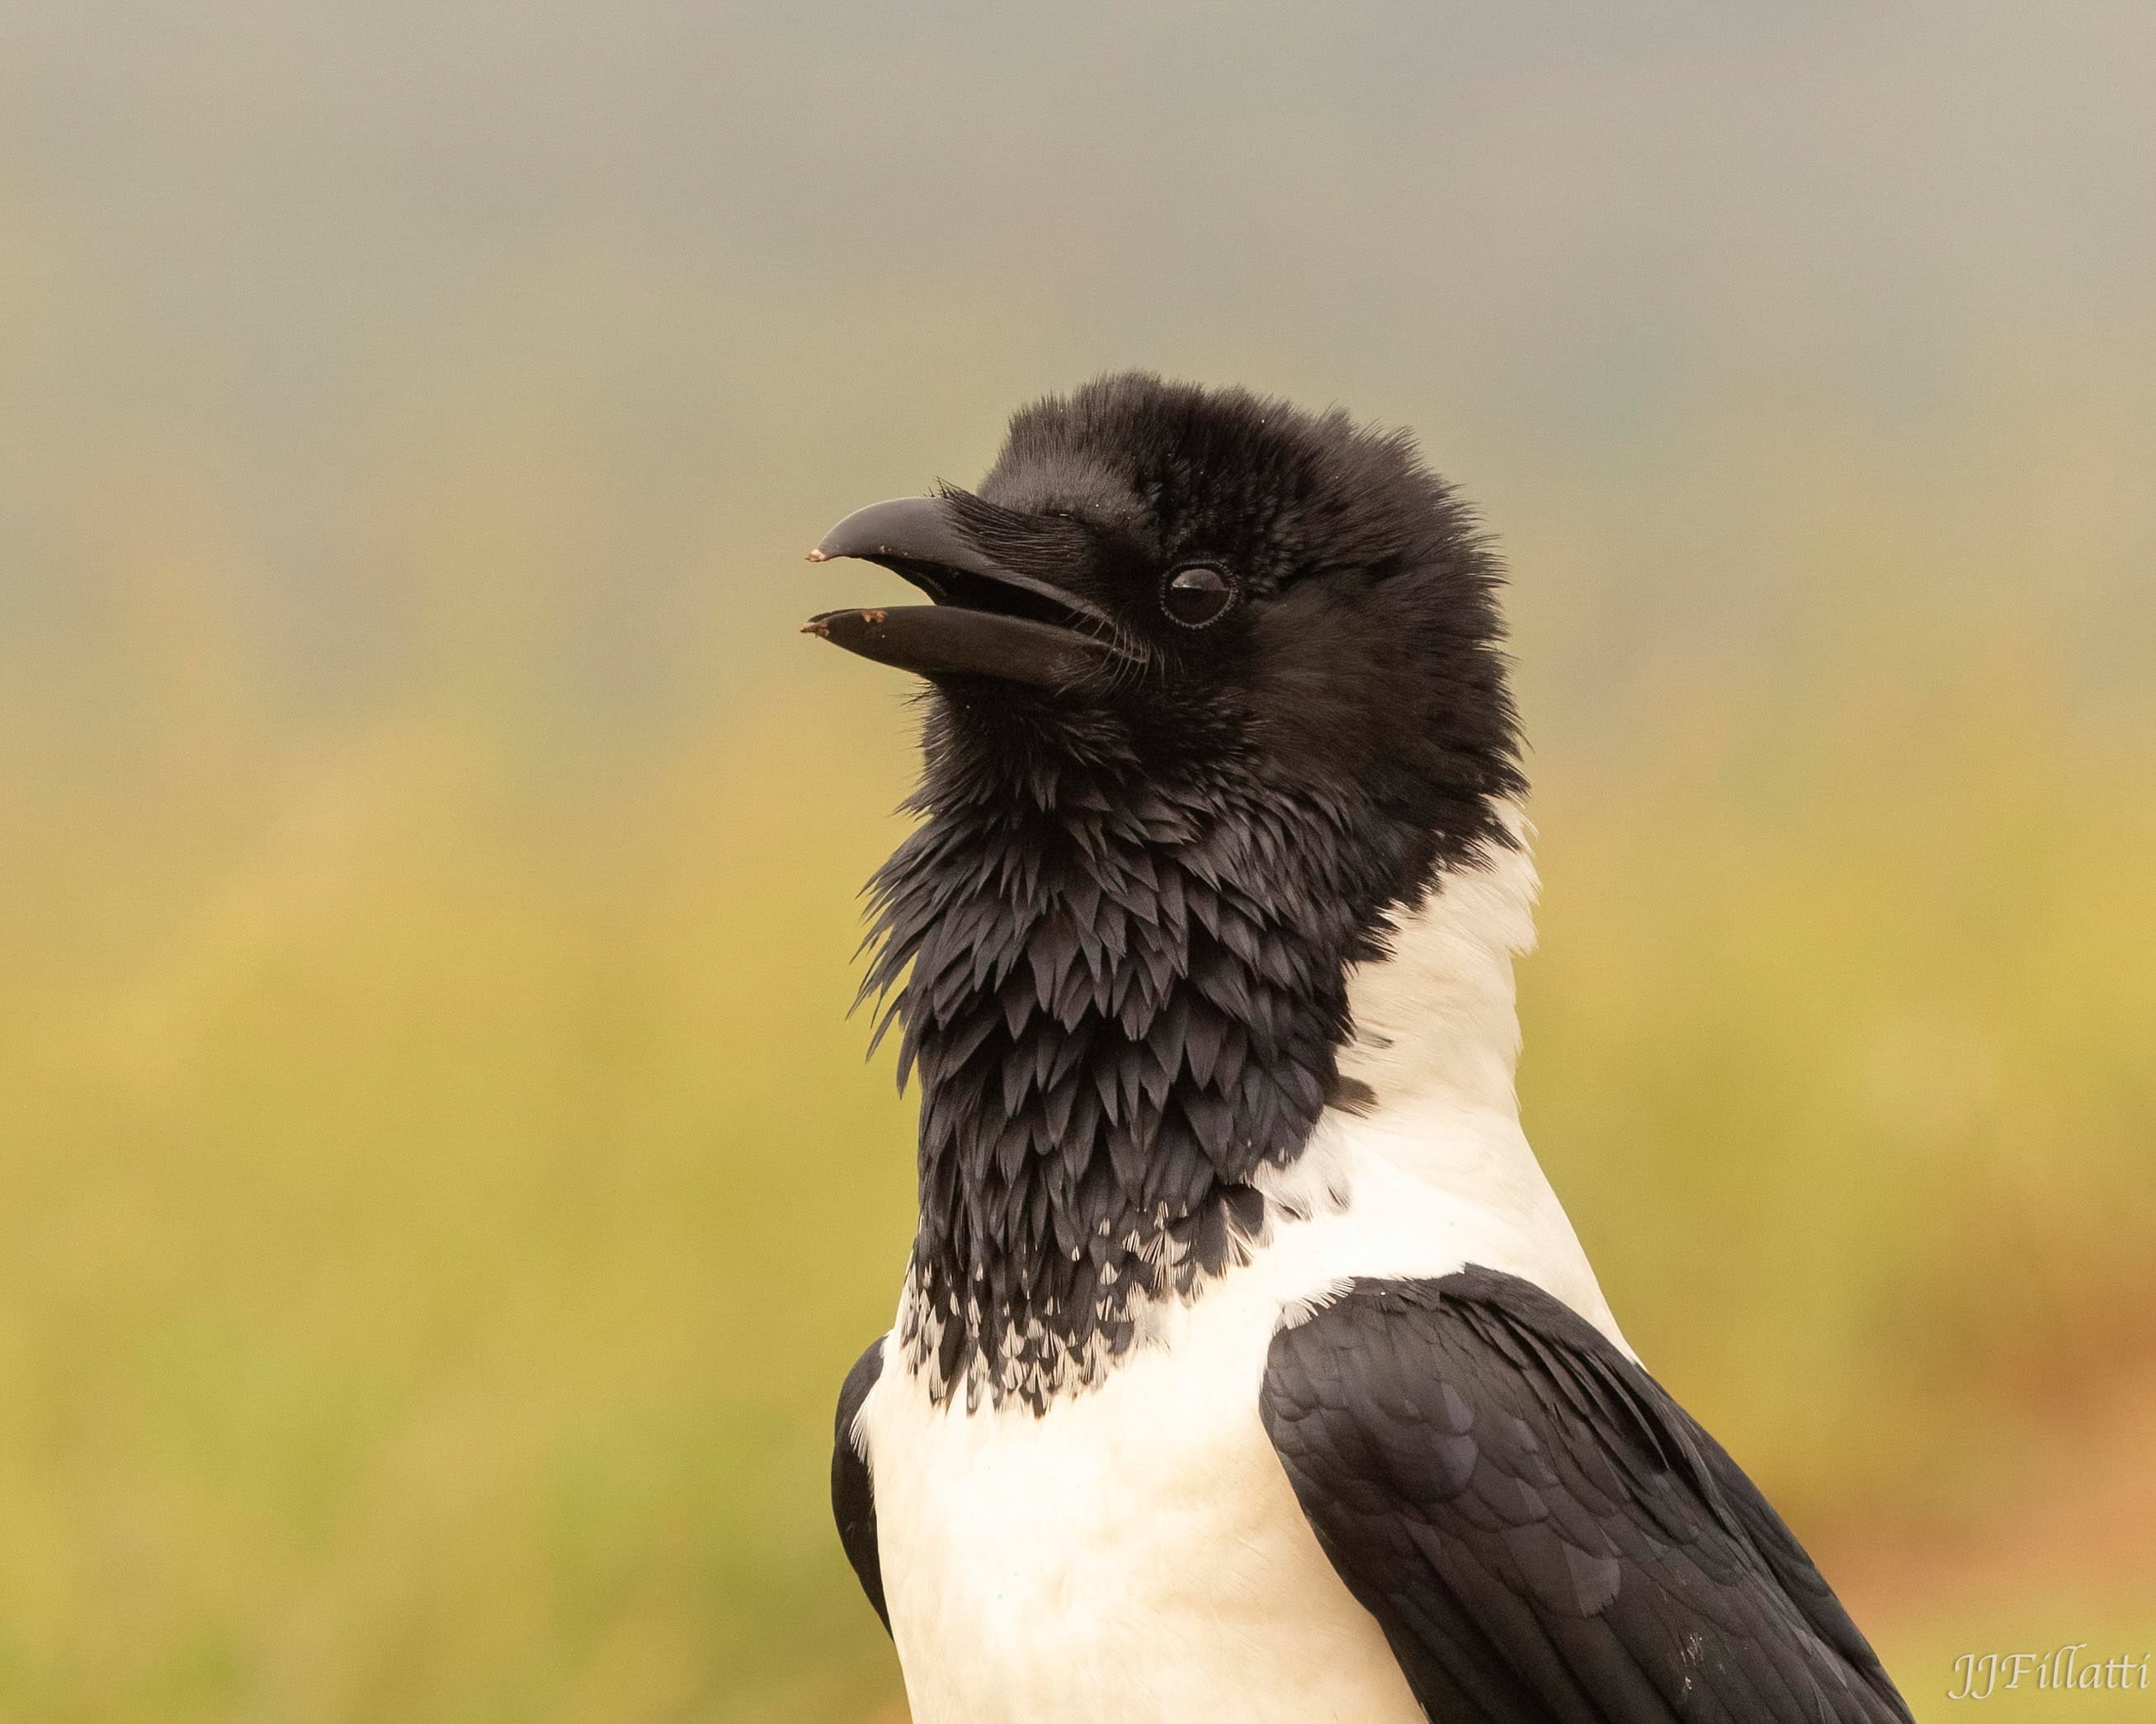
986	620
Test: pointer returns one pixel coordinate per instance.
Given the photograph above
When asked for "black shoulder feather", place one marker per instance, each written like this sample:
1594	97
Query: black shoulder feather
1541	1531
853	1493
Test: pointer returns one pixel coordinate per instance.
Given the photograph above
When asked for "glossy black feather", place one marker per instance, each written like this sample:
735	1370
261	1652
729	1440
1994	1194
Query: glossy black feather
1541	1531
853	1492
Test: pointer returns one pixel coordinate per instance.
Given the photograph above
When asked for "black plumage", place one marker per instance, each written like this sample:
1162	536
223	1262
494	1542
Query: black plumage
853	1494
1541	1533
1117	943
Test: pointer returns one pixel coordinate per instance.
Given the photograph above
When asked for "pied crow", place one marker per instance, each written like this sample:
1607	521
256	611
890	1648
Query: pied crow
1245	1366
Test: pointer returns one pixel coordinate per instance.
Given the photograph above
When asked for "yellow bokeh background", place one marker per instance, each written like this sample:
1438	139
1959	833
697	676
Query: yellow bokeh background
440	1189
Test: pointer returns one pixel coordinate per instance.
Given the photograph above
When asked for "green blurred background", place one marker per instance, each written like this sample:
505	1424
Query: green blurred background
439	1188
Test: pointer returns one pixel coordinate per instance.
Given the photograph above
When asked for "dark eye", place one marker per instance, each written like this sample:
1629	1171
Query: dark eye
1198	595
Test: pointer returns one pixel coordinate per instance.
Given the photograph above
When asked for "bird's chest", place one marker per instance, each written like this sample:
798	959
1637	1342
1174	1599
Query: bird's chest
1133	1553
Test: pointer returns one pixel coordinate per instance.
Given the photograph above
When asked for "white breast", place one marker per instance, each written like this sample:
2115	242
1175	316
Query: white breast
1133	1555
1136	1553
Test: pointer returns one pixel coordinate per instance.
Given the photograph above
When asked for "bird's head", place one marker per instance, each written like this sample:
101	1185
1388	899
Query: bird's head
1191	586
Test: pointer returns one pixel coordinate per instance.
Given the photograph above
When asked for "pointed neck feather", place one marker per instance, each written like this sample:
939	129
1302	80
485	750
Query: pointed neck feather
1127	1000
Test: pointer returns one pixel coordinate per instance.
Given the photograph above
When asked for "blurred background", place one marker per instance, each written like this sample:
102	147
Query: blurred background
440	1189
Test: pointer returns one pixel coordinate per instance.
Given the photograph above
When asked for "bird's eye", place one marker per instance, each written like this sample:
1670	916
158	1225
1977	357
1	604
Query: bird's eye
1198	595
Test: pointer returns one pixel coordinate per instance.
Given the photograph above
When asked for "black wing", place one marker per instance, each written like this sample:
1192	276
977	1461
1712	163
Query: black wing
853	1493
1541	1531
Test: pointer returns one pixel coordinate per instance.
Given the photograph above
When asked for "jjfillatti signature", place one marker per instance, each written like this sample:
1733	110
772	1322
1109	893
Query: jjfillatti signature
1981	1674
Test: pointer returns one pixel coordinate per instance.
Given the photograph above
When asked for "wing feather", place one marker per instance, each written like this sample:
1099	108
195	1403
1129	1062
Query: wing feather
1541	1531
853	1490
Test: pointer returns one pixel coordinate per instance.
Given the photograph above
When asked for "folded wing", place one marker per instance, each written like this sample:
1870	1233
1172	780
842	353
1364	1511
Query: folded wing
1540	1531
853	1492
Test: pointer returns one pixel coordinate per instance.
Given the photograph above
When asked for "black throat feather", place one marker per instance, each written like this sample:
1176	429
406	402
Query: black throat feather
1123	992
